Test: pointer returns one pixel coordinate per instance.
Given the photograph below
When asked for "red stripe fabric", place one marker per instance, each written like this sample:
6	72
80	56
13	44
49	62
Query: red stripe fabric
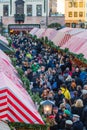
30	112
3	116
14	114
3	97
10	118
15	102
3	104
64	40
3	110
3	91
17	108
21	112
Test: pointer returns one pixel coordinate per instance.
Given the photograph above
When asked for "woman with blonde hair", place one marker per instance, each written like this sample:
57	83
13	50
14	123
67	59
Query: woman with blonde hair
77	108
79	103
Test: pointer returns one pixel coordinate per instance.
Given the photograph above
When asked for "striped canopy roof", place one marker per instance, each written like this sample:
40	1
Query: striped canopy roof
4	56
74	43
34	30
75	39
77	43
14	106
15	103
2	38
58	38
39	33
83	50
48	32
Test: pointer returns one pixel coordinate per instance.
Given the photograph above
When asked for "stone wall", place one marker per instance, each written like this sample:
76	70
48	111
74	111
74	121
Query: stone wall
35	20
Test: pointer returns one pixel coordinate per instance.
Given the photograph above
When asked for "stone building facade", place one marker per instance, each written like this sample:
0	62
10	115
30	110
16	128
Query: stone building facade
33	12
75	12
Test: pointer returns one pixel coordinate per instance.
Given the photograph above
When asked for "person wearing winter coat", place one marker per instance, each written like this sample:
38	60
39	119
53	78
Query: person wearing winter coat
84	116
62	117
68	125
77	124
65	91
58	98
77	108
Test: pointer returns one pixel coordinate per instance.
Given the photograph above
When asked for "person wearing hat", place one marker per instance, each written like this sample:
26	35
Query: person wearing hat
85	87
77	124
62	117
68	125
67	112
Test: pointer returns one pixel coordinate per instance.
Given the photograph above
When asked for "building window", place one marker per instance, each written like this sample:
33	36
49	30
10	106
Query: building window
70	4
39	10
80	14
73	25
19	7
75	4
67	24
80	4
70	14
5	10
29	10
75	14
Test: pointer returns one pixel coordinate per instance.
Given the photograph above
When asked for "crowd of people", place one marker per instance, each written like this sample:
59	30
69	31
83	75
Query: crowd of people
53	76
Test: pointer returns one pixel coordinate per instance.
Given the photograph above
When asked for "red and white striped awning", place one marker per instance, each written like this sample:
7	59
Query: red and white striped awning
33	31
58	37
48	32
11	73
16	104
74	43
4	56
77	42
13	104
75	31
65	38
83	50
61	36
3	39
53	34
40	32
67	34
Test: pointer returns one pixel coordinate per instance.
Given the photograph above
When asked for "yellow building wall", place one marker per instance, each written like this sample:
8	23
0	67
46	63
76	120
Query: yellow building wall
75	8
53	5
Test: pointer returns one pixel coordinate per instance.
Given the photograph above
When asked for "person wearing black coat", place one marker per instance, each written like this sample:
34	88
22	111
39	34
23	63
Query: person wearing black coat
78	108
68	125
61	118
76	73
77	124
84	116
58	98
